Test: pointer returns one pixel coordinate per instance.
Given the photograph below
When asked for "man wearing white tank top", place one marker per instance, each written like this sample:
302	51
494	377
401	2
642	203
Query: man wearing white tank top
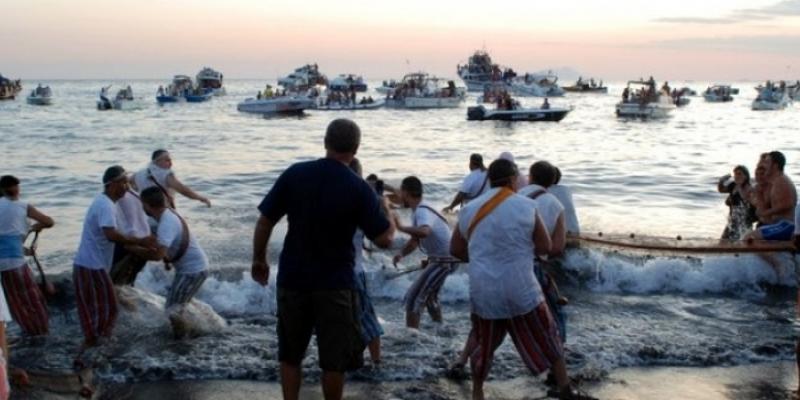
498	234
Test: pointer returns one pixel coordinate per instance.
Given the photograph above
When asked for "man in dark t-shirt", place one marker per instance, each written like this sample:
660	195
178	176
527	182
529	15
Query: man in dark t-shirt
324	202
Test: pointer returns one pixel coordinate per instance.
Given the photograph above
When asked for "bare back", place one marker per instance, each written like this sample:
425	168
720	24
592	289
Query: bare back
781	199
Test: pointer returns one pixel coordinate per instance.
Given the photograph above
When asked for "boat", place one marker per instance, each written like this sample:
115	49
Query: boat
680	97
645	102
481	113
420	91
387	86
303	77
41	96
687	91
680	245
366	104
199	95
537	85
289	104
210	79
794	90
582	86
348	82
480	70
9	89
771	97
492	92
124	100
181	86
718	94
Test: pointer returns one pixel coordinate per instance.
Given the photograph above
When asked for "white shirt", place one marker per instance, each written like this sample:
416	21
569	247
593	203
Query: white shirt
547	205
14	226
501	252
437	244
131	219
475	184
95	250
564	195
143	181
169	234
358	246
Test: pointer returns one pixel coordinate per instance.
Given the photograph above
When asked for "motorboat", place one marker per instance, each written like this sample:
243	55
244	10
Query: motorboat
680	97
794	90
210	79
771	98
303	77
123	100
386	86
480	70
537	85
687	91
199	95
421	91
348	82
365	104
41	96
640	99
9	89
582	86
517	113
177	91
289	104
718	94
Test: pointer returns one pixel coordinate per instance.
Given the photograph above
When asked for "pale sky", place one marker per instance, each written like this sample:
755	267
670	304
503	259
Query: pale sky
675	39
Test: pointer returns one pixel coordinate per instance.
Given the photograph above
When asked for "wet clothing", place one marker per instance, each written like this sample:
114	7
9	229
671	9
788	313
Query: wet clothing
96	300
424	292
781	230
95	250
741	214
370	326
170	235
184	287
25	300
14	226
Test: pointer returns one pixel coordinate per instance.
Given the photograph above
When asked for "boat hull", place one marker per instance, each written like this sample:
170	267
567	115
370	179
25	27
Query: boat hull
371	106
168	99
645	111
713	98
199	98
577	89
40	101
275	105
421	103
480	113
762	105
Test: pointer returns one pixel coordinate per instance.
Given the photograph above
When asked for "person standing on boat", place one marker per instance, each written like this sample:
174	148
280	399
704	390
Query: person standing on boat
26	301
159	174
475	183
776	211
430	232
564	195
498	234
325	202
546	104
741	214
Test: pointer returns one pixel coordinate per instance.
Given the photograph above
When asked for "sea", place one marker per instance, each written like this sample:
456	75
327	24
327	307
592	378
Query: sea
628	176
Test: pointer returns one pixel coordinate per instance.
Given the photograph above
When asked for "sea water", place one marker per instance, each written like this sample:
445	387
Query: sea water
627	176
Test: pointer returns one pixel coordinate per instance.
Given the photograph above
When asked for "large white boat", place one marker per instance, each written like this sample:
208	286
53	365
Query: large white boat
303	78
641	99
420	91
209	79
771	97
41	96
479	71
718	94
538	85
348	82
289	104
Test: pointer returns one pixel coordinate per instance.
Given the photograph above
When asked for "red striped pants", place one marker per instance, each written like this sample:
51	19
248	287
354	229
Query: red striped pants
25	300
97	302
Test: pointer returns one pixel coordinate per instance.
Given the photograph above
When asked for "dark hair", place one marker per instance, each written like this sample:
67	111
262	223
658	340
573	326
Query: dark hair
477	160
412	185
558	175
777	158
355	165
543	173
342	136
158	153
8	181
744	171
372	177
502	173
153	197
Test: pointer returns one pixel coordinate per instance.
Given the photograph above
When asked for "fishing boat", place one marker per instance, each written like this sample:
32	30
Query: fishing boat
303	77
387	86
41	96
481	113
771	98
348	82
422	91
123	100
177	91
210	79
290	104
480	70
640	99
718	94
537	85
582	86
9	89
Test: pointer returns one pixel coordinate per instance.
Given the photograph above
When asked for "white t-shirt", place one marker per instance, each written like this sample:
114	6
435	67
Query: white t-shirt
169	234
358	246
547	205
474	184
95	250
501	253
437	244
564	195
143	181
131	219
14	226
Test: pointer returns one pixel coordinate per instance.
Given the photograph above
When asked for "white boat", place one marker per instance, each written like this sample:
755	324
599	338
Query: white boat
386	86
303	77
124	100
771	98
481	113
348	82
645	102
718	94
479	71
177	91
537	85
41	96
210	79
373	105
290	104
420	91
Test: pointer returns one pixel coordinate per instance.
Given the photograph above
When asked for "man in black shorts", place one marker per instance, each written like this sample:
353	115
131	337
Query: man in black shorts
324	202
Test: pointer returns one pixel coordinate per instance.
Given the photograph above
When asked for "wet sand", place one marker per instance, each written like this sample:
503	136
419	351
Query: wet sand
753	382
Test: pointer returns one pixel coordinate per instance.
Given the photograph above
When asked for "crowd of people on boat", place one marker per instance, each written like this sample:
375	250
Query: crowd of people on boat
346	98
647	94
589	85
422	87
9	88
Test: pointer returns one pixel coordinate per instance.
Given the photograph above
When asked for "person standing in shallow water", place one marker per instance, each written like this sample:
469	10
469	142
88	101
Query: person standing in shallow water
741	214
325	202
159	174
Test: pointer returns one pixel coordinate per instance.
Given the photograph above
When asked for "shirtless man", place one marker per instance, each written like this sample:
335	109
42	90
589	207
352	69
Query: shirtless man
775	205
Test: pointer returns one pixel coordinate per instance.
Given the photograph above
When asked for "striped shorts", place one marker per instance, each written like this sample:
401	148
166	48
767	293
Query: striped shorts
25	300
535	335
97	302
184	287
425	290
370	327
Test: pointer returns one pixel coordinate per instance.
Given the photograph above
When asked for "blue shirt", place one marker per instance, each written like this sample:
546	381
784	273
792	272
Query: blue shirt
324	202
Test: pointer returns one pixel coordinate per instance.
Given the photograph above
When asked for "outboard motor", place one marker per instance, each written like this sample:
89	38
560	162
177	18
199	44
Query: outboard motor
476	113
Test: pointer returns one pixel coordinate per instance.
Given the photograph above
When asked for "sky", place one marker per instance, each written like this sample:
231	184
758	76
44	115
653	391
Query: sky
614	40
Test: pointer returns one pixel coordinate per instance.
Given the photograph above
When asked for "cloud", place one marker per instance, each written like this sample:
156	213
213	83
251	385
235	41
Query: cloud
784	8
771	44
